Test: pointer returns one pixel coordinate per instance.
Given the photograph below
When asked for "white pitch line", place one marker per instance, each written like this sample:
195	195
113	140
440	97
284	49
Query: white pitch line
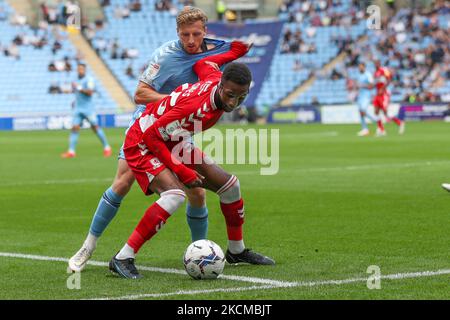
245	172
397	276
152	269
53	182
356	167
270	284
187	292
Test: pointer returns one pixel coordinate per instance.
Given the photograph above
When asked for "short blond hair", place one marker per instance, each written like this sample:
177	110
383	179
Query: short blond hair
191	15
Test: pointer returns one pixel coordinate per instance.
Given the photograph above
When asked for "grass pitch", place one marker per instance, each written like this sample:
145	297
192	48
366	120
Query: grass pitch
339	204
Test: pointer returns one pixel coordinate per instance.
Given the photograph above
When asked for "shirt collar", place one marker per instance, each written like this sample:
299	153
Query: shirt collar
213	92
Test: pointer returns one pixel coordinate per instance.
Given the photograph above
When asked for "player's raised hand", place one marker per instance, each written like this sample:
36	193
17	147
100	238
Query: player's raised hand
198	182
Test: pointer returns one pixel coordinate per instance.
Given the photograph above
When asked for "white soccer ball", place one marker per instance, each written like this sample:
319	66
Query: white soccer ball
204	259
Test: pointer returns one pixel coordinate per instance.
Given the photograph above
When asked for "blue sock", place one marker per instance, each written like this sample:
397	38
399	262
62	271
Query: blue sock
197	219
73	140
363	122
102	137
107	208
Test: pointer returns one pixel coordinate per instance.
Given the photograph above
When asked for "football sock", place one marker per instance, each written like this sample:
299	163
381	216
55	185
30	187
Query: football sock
155	217
106	211
197	219
101	135
236	246
153	220
125	253
73	140
234	218
380	125
363	122
396	120
91	242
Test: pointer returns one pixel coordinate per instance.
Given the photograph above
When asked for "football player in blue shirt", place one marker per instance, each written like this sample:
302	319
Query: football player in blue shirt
365	85
169	67
84	109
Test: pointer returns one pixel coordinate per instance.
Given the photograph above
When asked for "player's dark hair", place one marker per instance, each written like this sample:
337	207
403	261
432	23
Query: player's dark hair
238	73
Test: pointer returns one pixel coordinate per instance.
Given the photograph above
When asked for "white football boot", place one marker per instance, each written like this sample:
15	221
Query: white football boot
380	133
363	133
78	262
401	128
446	186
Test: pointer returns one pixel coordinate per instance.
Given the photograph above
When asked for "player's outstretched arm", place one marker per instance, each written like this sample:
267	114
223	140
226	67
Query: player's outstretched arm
205	67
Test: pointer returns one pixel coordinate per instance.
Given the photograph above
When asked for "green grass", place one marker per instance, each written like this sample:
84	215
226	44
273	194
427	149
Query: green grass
339	204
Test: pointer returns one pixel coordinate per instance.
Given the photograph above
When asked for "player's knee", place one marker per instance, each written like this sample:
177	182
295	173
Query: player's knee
76	128
171	200
231	191
122	184
196	197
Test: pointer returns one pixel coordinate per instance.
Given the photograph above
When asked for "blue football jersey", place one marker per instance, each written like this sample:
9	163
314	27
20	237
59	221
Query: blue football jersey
364	79
170	66
83	102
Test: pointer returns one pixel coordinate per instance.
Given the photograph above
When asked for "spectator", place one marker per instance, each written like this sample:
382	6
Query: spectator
54	89
135	5
129	71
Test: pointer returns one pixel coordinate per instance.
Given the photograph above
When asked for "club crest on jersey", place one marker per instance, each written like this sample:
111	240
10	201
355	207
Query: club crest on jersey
155	163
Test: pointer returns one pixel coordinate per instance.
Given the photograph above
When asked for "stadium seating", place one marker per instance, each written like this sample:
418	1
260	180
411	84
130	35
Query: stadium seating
406	81
135	32
25	81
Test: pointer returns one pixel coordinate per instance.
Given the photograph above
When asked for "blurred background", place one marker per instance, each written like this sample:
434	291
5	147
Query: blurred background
304	60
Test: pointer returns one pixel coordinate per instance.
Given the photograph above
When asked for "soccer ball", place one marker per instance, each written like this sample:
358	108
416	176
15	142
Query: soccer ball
204	259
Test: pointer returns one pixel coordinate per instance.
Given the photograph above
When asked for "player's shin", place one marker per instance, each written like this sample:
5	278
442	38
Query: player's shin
232	207
106	211
101	135
153	220
73	140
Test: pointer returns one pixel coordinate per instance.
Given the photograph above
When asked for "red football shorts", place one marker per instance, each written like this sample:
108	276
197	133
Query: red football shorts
146	166
381	102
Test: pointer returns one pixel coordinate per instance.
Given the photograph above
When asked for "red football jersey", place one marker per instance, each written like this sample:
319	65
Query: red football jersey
187	110
382	77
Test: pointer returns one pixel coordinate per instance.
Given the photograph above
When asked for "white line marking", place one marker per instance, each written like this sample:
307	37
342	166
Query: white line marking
51	182
396	276
246	172
270	284
187	292
356	167
152	269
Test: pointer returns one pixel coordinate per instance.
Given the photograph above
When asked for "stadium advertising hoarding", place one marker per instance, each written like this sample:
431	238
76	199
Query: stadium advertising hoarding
58	122
263	35
349	113
418	112
294	114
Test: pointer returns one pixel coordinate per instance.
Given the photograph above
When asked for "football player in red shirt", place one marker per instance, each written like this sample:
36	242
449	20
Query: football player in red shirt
163	164
383	78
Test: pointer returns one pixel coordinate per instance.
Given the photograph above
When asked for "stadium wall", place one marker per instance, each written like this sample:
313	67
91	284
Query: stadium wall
327	114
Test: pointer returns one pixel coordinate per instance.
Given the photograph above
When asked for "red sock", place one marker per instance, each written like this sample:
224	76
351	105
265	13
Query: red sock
234	218
380	125
397	120
152	221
